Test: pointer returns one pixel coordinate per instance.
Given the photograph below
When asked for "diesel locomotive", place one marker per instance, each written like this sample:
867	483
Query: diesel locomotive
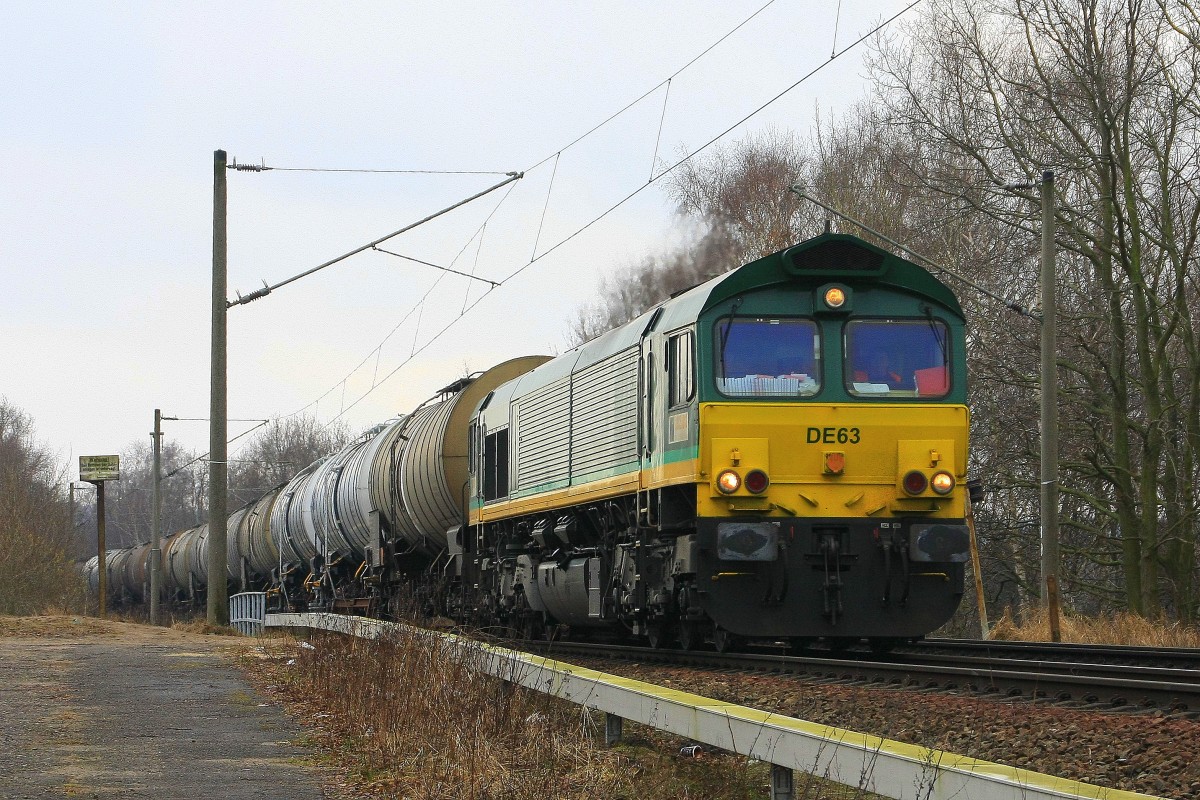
778	454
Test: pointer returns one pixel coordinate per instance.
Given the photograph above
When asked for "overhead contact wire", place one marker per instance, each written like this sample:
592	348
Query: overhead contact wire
512	176
658	140
652	89
418	306
545	207
716	138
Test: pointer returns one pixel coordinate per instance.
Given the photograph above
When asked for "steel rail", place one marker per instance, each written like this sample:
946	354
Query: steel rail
1114	686
1181	657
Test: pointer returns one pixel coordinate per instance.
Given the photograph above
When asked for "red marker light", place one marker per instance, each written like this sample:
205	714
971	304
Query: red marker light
757	481
915	482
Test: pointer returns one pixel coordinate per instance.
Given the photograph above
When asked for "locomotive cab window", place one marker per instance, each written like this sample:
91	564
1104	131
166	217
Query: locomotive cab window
767	357
681	370
897	358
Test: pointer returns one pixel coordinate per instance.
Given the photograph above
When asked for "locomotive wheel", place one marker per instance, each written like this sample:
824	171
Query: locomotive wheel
659	635
725	641
839	644
690	636
799	645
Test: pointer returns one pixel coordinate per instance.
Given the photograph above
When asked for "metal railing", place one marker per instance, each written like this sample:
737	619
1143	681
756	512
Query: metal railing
886	767
248	612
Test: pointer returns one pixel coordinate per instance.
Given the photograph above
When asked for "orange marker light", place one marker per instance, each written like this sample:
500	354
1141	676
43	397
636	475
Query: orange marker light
942	482
729	481
835	463
835	297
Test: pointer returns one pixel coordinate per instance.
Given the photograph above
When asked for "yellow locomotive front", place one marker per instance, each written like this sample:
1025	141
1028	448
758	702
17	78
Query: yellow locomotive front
830	453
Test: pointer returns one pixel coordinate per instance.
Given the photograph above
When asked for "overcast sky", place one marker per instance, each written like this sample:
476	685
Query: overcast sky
110	113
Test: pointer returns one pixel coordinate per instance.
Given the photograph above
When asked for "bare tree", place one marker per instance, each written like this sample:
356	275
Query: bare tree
36	569
129	501
282	448
1104	92
631	291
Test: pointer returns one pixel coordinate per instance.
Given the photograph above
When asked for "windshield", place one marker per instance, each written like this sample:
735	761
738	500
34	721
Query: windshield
764	357
897	357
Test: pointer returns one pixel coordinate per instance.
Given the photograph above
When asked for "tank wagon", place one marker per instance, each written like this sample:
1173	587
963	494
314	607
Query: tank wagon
777	454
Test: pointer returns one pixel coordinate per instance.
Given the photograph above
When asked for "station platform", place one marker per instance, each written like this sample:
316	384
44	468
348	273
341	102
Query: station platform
97	709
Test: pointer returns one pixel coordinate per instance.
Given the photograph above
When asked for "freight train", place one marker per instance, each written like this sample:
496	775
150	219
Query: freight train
778	454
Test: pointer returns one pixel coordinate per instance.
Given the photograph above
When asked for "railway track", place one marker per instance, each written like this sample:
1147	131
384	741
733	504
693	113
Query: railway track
1078	676
1173	657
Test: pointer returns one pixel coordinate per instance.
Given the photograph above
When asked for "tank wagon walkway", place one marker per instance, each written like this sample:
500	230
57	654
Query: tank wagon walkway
127	711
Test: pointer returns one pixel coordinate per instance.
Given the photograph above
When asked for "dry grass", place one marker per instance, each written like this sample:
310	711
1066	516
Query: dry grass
202	626
52	626
1120	628
408	717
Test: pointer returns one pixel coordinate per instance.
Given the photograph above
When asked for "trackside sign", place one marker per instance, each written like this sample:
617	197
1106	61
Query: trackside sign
99	468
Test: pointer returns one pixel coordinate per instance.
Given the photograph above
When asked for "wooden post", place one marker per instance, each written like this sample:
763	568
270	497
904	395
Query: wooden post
100	552
1049	415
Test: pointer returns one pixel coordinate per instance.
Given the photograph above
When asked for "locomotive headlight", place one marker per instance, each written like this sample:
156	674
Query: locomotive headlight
757	481
729	481
835	297
942	482
915	482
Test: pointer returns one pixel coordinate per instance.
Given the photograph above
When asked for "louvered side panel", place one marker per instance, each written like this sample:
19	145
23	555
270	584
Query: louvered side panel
604	416
541	430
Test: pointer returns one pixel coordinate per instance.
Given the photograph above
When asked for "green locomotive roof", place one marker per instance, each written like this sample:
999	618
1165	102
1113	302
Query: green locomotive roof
834	256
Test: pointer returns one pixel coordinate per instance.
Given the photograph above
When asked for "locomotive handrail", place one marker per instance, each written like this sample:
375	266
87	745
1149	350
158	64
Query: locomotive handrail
886	767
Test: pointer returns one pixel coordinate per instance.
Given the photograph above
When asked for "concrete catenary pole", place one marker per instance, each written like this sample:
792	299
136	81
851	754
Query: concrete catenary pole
156	521
218	469
1049	454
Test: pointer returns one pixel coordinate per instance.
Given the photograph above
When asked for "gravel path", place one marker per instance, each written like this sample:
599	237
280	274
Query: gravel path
1145	753
97	710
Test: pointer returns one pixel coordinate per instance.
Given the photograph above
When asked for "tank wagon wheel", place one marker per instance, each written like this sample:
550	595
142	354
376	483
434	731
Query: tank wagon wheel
691	635
533	626
659	635
883	644
724	641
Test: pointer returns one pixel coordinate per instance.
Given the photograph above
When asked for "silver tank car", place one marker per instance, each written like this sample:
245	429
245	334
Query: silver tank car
399	487
287	524
256	544
91	572
404	482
